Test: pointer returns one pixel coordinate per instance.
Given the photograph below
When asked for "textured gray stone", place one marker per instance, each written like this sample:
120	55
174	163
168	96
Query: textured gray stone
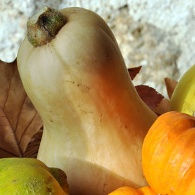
177	18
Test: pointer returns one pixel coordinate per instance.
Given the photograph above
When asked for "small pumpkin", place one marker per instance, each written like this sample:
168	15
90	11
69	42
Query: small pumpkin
168	154
126	190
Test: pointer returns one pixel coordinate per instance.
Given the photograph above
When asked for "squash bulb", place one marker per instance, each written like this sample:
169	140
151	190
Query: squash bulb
94	120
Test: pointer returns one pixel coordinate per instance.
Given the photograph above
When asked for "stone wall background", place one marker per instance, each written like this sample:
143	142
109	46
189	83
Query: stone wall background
157	34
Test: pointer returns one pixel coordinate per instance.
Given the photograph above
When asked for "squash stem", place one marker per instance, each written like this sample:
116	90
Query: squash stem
44	26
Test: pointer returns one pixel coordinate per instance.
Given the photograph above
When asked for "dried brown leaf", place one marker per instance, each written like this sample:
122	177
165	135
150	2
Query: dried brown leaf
19	121
163	106
156	102
33	146
170	86
134	71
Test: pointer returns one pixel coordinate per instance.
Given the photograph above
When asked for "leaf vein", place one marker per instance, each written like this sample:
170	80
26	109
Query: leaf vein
9	87
23	133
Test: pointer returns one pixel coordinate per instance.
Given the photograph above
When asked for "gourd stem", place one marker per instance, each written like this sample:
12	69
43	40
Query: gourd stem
44	26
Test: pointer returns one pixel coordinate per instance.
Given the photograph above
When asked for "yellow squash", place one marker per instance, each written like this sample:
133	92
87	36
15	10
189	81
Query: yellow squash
183	98
26	176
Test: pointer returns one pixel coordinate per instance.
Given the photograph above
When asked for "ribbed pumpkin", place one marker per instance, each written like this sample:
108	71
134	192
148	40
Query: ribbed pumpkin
168	154
126	190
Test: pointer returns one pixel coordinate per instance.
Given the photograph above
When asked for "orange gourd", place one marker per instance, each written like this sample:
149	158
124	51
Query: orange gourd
168	154
126	190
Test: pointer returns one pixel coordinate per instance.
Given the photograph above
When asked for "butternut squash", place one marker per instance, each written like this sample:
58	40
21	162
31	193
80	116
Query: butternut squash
94	121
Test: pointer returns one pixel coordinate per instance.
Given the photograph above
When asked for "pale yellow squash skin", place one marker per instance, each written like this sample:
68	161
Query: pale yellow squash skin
183	98
26	176
94	120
